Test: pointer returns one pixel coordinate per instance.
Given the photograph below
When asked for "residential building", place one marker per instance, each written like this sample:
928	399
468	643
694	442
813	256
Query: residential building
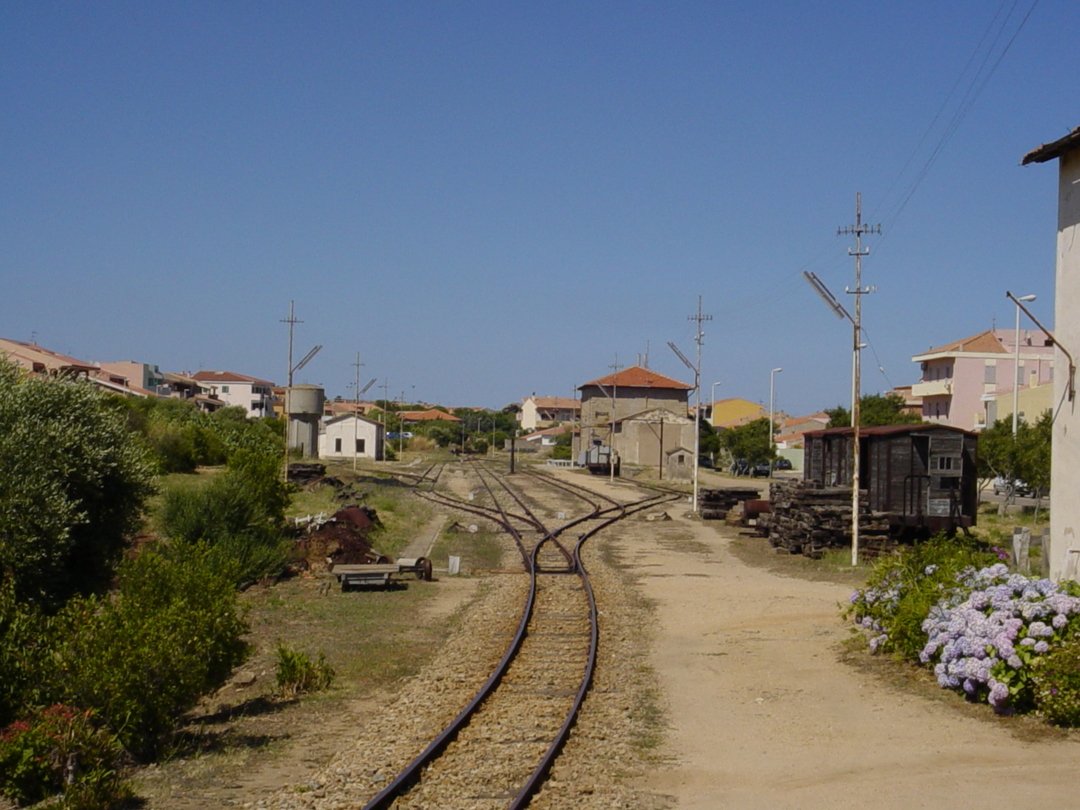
644	412
343	436
183	386
39	360
541	412
733	412
959	378
255	396
138	375
1065	447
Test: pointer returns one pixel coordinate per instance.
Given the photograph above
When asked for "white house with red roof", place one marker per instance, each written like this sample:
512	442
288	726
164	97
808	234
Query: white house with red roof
642	414
541	412
255	396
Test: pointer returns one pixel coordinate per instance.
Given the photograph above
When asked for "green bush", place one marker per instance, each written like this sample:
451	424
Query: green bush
1056	683
61	750
239	515
297	673
903	587
24	654
172	632
73	479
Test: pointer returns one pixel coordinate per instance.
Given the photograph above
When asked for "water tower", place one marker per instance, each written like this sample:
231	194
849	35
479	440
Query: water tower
304	409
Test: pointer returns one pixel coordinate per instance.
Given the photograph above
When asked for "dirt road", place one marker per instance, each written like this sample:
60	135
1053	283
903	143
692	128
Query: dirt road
764	714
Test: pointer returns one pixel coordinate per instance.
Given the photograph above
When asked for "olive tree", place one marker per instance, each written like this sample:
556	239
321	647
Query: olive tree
73	479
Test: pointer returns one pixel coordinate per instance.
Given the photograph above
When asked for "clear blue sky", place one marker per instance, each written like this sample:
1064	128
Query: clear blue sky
492	199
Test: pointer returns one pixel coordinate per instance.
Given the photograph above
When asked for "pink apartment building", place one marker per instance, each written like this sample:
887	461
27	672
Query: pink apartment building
962	381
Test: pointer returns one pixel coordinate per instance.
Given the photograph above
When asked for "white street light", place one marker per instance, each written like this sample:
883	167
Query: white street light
1016	363
772	391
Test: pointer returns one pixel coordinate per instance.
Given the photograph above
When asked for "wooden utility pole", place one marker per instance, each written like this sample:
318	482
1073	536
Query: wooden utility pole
291	321
857	230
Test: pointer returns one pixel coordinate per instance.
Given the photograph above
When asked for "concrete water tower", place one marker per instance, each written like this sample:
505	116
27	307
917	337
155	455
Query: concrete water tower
304	409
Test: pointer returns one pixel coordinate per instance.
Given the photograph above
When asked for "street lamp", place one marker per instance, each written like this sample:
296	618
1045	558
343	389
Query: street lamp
712	412
1016	363
772	390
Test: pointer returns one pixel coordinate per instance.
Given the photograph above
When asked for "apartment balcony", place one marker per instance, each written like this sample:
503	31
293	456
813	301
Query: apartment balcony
933	388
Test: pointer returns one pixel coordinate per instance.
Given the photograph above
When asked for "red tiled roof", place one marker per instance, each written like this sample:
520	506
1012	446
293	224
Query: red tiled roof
430	415
638	377
564	403
984	342
227	376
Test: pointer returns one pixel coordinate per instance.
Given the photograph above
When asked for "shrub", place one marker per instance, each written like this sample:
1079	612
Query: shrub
171	633
24	654
61	749
903	587
239	515
1056	683
72	484
297	673
988	643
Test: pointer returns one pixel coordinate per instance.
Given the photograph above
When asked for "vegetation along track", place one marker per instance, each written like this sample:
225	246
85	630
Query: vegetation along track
498	750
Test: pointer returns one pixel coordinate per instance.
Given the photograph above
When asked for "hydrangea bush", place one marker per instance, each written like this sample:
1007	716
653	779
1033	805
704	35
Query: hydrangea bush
986	644
990	634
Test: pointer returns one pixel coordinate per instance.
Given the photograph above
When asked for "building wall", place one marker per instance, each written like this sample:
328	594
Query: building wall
336	440
255	399
596	410
1065	475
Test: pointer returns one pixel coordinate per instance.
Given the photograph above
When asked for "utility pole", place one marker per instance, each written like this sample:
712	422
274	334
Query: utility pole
615	368
291	321
857	230
356	409
699	339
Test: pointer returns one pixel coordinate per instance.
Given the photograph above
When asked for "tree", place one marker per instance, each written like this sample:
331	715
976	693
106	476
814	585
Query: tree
749	441
874	410
73	480
1027	457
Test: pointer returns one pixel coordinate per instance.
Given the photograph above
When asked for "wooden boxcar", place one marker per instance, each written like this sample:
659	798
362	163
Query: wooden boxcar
923	477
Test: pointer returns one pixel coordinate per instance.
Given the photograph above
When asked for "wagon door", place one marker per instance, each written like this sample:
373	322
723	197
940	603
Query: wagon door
946	473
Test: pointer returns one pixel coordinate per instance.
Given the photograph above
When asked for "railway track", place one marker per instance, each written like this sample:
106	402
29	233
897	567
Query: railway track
499	748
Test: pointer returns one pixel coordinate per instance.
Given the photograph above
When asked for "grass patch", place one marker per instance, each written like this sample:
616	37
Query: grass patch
834	566
482	550
312	500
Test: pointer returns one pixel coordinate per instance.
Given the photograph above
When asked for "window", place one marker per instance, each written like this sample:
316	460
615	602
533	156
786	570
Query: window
359	445
224	389
990	372
337	445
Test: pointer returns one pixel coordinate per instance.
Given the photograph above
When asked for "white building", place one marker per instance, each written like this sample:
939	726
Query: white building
541	412
1065	453
255	396
344	436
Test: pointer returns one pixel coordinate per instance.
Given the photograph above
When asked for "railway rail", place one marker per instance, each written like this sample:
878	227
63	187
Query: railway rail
500	747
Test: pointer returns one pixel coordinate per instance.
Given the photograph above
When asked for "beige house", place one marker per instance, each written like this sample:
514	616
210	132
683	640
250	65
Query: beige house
645	412
1065	452
541	412
39	360
255	396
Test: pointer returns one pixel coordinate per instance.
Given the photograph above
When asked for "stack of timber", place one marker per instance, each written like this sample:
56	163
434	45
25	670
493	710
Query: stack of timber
806	519
716	503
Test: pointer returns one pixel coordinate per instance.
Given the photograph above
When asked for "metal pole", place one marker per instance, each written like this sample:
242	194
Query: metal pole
772	391
356	411
1016	368
712	413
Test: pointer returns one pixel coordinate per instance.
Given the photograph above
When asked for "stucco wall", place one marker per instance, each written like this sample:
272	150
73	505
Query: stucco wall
1065	484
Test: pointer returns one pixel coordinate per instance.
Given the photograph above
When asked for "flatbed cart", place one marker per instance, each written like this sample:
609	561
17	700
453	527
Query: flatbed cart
381	574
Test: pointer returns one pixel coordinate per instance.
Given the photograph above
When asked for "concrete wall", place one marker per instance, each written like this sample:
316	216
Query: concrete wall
1065	480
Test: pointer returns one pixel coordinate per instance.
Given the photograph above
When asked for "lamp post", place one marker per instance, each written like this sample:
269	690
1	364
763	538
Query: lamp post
712	411
772	391
1016	364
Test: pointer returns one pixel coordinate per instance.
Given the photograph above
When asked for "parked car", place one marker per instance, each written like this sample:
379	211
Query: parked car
740	466
761	469
782	464
1001	487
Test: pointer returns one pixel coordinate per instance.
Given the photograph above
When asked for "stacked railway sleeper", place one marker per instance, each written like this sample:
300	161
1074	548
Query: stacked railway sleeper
499	748
808	520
